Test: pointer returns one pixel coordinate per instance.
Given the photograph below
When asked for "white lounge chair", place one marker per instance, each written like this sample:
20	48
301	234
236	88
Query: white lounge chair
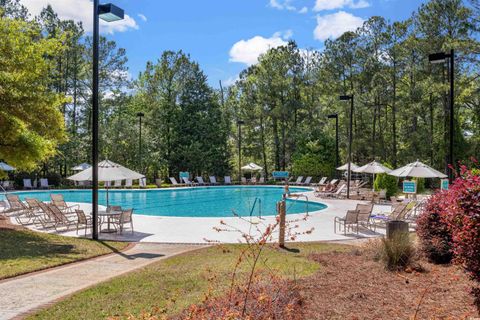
142	182
107	184
299	180
128	183
227	180
306	182
27	184
44	184
200	181
117	184
175	182
322	181
213	180
188	182
244	180
261	180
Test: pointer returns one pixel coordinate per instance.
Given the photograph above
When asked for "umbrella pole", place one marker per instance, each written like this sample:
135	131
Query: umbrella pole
107	198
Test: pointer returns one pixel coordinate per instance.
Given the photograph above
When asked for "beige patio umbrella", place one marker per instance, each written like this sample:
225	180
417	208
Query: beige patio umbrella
6	167
252	167
417	170
107	171
374	168
353	166
81	167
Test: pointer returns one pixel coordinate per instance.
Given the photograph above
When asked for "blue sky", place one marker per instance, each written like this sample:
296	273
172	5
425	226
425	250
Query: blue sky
224	36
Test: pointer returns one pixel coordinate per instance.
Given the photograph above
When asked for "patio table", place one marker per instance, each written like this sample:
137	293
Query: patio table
109	215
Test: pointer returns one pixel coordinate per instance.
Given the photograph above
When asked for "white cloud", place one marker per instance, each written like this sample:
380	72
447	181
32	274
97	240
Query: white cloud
230	81
80	10
248	51
303	10
335	24
142	16
338	4
282	5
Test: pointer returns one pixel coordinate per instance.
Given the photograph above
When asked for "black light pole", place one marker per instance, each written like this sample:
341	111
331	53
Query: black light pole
107	12
442	57
239	124
335	116
140	115
350	137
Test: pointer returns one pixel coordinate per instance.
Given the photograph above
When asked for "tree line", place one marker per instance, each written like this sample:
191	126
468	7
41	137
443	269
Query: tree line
400	113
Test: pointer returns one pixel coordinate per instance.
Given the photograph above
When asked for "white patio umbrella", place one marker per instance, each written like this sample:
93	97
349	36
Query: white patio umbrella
81	167
417	170
107	171
374	168
353	166
252	167
6	167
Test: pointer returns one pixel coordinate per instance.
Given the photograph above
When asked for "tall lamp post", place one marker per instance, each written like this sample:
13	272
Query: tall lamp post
239	124
140	115
335	116
108	13
350	137
442	57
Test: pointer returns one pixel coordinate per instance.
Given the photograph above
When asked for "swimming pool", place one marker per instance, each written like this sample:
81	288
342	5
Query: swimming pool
190	202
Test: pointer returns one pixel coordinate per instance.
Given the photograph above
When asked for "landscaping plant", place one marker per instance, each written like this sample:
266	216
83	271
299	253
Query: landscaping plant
398	252
433	232
456	212
386	182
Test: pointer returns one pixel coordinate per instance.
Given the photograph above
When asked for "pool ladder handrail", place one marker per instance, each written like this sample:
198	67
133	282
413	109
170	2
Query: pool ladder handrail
298	196
259	207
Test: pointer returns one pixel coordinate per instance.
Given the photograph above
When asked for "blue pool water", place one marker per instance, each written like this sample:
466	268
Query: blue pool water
189	202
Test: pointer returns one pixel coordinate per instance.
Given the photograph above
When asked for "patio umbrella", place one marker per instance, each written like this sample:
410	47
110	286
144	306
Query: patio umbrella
6	167
252	167
81	167
417	170
374	168
107	171
353	166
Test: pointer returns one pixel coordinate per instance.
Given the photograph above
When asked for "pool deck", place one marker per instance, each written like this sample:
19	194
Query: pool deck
161	229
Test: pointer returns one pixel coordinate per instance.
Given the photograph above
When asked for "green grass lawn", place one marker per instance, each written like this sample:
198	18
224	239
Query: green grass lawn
23	251
183	279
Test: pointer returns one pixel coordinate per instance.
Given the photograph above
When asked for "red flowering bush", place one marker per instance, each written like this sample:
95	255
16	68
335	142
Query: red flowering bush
434	234
456	212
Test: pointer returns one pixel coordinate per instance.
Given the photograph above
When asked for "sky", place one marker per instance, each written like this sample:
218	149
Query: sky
225	36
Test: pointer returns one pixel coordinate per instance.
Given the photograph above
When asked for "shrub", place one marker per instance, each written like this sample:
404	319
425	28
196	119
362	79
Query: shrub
433	232
386	182
463	216
398	252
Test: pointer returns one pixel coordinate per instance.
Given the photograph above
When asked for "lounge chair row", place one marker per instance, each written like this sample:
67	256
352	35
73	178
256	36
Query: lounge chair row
362	216
199	181
58	214
27	184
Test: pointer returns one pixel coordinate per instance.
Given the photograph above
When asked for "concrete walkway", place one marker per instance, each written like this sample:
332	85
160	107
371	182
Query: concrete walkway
26	293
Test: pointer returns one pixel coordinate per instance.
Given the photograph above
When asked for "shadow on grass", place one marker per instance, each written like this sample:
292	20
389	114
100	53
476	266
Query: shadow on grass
17	244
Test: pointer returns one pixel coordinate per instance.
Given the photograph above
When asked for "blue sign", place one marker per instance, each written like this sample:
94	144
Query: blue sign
409	187
444	184
280	174
184	175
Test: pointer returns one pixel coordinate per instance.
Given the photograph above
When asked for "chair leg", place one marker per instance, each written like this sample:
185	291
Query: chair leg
131	225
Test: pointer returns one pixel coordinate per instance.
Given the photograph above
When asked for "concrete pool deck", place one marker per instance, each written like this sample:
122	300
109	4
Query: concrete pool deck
161	229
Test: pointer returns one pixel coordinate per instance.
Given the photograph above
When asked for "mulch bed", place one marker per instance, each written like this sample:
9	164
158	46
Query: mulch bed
353	286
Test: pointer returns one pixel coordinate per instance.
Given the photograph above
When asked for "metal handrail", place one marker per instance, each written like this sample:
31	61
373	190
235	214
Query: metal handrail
298	196
259	207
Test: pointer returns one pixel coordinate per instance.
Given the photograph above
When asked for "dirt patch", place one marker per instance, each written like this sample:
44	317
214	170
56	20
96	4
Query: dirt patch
352	286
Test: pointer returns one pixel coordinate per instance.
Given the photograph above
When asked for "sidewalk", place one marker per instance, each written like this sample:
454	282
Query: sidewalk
26	293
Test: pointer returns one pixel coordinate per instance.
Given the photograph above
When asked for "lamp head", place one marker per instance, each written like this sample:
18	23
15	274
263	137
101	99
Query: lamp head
110	12
332	116
438	57
140	114
240	122
345	98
